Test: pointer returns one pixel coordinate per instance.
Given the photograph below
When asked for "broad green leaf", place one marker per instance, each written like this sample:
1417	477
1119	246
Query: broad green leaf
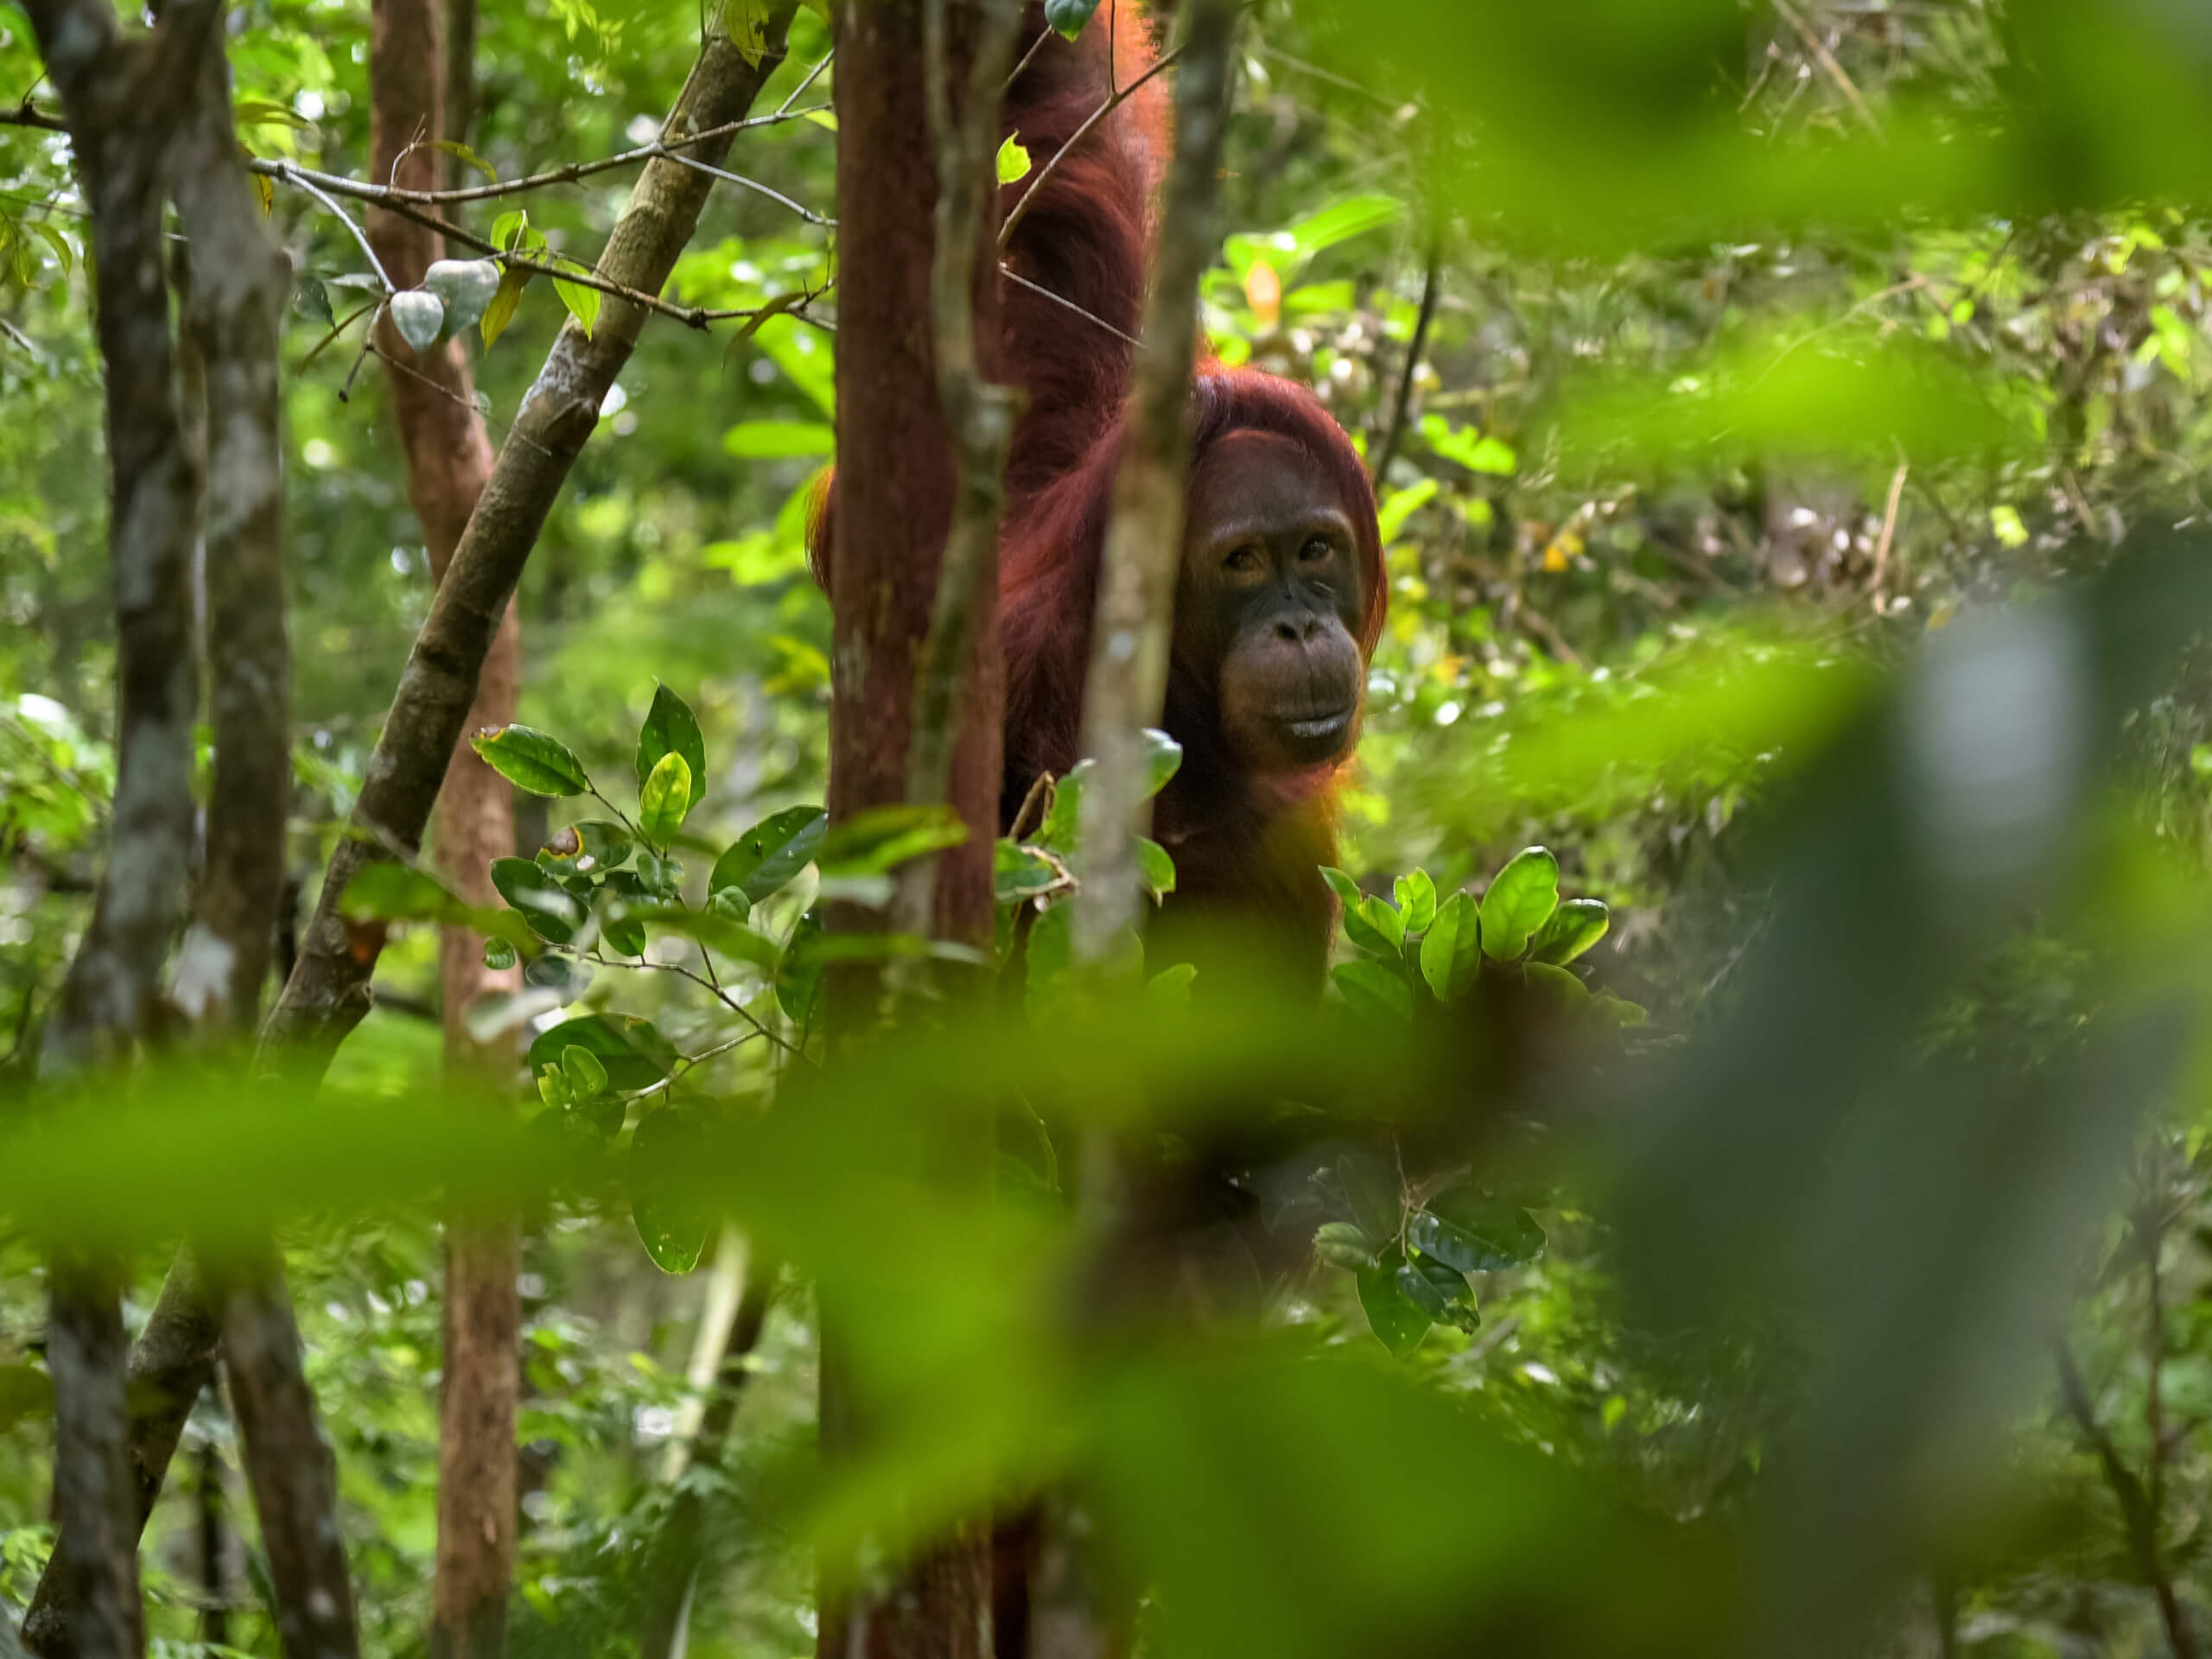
748	29
606	843
1340	221
1064	822
1343	1244
1171	986
1397	1323
1051	962
1417	901
587	1072
582	304
665	1155
1013	161
1376	990
312	299
878	840
505	303
1560	985
391	891
633	1052
766	858
1439	1291
1473	1233
671	728
531	760
1019	872
1343	886
550	908
1519	902
1156	866
1374	926
1069	15
1573	928
1163	759
798	981
780	440
664	799
624	934
1452	954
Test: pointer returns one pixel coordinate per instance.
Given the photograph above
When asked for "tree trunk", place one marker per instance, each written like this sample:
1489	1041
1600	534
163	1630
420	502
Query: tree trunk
448	459
896	472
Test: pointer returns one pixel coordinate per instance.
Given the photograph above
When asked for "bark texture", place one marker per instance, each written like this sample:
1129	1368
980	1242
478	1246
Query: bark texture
122	99
449	459
896	493
1128	680
327	991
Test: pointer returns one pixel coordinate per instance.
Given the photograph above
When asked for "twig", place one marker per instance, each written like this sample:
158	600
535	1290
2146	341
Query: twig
293	177
1889	530
28	115
1403	402
1826	60
2134	1507
728	177
1120	96
1020	281
783	110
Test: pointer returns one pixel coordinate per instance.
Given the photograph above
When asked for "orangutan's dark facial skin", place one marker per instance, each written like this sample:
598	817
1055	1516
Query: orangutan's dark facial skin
1268	599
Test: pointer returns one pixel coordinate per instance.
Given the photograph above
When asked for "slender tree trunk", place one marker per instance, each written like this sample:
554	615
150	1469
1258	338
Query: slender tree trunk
449	459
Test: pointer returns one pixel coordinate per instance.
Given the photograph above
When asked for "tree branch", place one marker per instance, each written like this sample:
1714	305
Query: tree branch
1401	405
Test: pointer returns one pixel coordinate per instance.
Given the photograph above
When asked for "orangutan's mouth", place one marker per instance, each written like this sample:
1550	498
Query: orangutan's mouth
1313	728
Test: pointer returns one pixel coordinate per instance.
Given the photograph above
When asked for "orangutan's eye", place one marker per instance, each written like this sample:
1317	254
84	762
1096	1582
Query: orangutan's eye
1243	558
1316	550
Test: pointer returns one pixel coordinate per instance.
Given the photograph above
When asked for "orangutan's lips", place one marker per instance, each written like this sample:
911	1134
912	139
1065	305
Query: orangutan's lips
1318	726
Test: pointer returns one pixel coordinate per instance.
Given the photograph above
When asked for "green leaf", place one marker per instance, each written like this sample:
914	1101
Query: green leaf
748	29
798	981
664	799
1163	759
664	1157
1340	221
582	304
766	858
1452	955
1013	161
625	935
879	840
1342	885
1069	17
531	760
1397	1321
420	317
606	843
1374	927
1559	986
1170	985
1573	928
1051	963
1471	1233
391	891
468	157
633	1052
587	1072
499	956
1019	872
780	440
551	910
1376	990
671	728
1441	1292
1519	902
1156	866
313	300
1343	1244
505	303
1064	822
1417	901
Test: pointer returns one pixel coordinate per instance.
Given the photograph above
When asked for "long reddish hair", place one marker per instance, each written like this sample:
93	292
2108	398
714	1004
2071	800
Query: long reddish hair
1084	240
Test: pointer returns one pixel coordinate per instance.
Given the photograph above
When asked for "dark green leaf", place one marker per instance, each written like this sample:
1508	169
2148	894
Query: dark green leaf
1156	867
671	728
531	760
1021	873
1163	759
1466	1230
1397	1322
1518	903
798	981
1441	1292
625	935
1341	1243
759	862
1064	823
313	300
1573	928
1452	954
549	908
633	1052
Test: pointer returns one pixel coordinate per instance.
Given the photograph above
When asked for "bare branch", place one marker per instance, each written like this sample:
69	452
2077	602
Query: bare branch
1401	405
1115	100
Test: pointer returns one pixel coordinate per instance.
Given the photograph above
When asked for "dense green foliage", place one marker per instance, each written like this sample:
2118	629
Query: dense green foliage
1787	379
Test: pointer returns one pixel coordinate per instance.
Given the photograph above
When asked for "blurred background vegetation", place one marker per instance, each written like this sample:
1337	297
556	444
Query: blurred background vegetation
1770	391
